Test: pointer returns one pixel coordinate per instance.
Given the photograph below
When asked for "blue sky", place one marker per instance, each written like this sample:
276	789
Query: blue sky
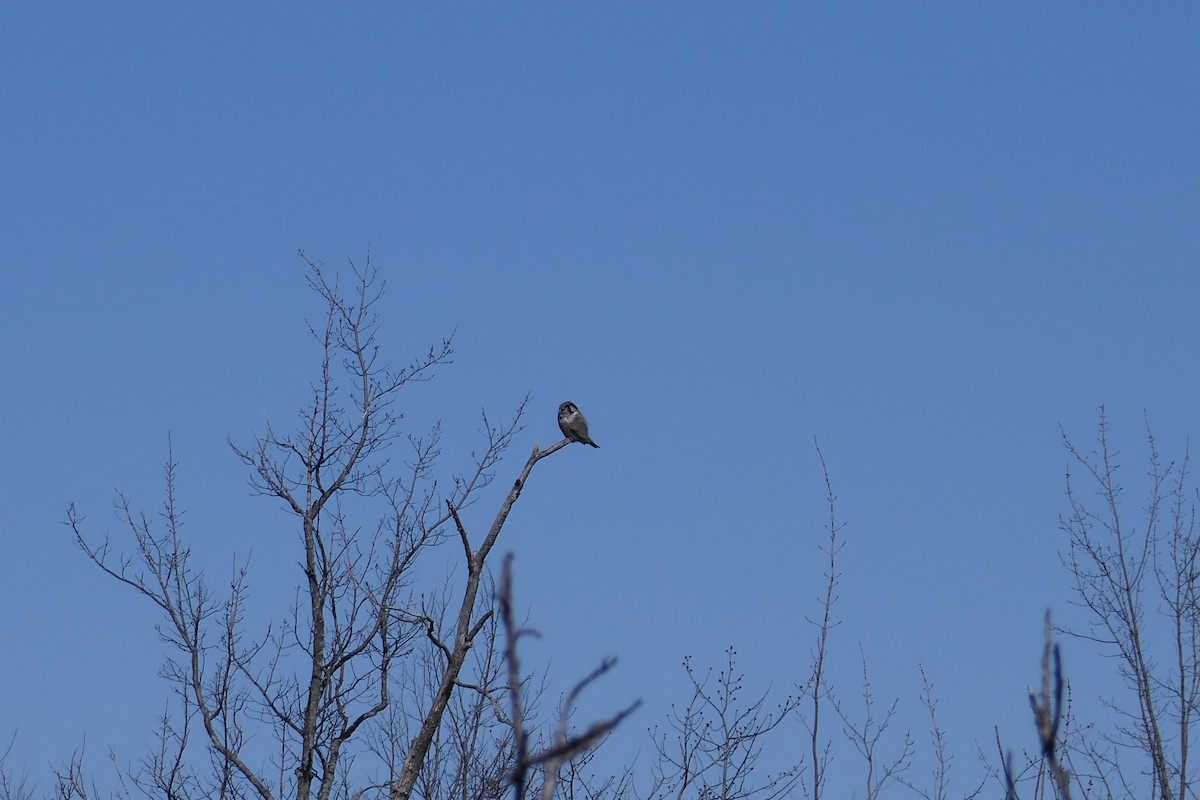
927	236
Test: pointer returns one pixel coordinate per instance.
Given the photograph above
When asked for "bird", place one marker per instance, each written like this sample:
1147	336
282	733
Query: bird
573	425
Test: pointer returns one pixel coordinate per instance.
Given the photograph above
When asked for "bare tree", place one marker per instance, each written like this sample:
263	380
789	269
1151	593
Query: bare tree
939	790
885	755
71	781
1137	581
815	689
13	786
471	755
867	735
715	742
288	711
577	780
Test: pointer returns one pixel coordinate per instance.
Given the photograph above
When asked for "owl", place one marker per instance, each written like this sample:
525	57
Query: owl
573	425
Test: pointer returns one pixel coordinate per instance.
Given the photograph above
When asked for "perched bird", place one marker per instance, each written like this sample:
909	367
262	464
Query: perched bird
572	424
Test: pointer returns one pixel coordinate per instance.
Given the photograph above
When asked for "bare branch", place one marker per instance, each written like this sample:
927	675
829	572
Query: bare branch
566	746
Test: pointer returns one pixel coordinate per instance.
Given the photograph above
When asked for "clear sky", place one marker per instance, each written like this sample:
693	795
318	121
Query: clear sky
926	234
